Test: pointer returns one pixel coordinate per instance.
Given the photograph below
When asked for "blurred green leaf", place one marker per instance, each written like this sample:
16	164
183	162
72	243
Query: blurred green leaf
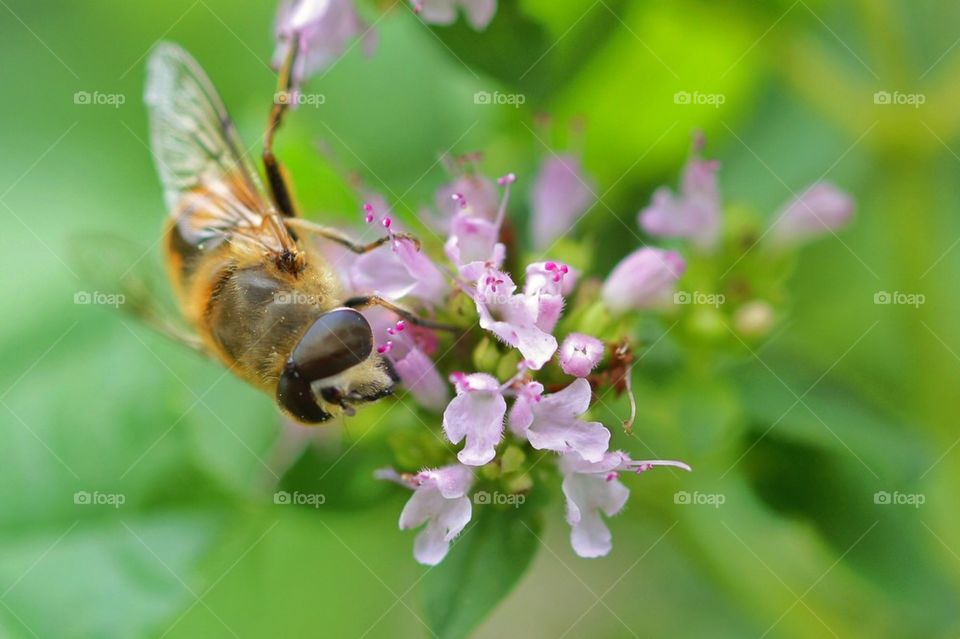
484	564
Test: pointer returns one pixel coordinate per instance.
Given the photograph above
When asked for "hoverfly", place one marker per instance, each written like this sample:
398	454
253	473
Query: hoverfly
235	257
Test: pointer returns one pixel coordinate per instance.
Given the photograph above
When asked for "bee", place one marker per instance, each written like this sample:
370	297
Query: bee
260	299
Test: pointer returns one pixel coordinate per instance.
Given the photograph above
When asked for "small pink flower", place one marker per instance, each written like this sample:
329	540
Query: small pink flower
440	501
594	488
560	195
552	422
324	28
475	414
513	318
474	239
821	208
408	348
399	271
642	280
419	375
548	282
475	228
694	212
472	195
479	12
579	354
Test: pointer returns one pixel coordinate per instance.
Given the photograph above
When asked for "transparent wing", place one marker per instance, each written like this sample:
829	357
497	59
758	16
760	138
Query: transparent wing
209	187
113	266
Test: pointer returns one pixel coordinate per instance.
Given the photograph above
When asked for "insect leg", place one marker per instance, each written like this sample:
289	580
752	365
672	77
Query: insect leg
365	301
300	224
276	175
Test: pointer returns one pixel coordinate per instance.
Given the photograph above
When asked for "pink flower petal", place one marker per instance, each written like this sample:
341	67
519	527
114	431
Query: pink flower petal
560	196
642	280
579	354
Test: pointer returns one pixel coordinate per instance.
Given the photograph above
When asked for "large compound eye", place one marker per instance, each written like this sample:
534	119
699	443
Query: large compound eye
338	340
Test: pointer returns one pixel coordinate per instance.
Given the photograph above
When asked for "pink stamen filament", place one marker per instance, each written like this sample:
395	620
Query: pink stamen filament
505	182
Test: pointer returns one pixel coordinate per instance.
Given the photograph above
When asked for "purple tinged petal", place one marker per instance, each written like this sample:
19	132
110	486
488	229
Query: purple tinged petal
560	195
695	212
478	192
325	27
822	208
556	425
439	501
419	375
579	354
512	318
479	12
587	497
476	414
592	488
558	279
444	12
474	239
521	413
642	280
397	272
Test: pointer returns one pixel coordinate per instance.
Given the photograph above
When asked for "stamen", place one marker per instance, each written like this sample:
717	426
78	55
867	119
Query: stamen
459	199
612	476
387	222
385	348
368	209
505	182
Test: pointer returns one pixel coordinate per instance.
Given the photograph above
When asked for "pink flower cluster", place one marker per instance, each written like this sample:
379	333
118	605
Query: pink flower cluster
484	410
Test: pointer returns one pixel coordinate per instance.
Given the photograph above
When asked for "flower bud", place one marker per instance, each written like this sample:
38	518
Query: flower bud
644	279
560	195
821	208
579	354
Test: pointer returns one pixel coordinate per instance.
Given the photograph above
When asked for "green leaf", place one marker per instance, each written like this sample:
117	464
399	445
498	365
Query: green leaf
481	569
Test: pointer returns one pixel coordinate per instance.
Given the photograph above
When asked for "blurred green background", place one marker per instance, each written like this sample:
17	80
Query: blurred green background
845	399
